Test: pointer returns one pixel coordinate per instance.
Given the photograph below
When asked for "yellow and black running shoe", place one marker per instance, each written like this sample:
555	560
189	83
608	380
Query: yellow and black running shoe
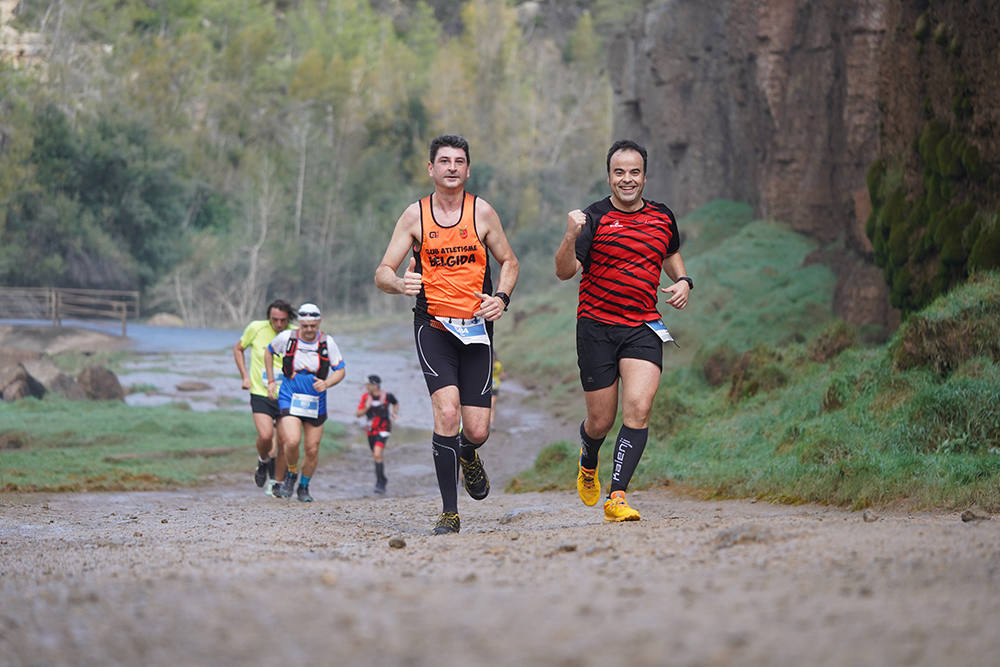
448	523
476	481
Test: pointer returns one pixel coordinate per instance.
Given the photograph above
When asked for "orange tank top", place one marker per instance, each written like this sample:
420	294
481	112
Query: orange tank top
453	262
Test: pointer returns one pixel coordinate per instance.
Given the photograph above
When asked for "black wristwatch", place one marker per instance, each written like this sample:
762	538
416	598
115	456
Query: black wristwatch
687	280
503	296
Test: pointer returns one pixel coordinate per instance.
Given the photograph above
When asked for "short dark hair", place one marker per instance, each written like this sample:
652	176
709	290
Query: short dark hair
453	140
627	145
374	379
283	306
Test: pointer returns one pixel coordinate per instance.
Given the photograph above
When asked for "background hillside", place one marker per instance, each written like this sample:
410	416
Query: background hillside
213	152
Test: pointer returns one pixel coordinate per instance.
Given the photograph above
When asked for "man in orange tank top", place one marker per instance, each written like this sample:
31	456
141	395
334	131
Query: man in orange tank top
449	233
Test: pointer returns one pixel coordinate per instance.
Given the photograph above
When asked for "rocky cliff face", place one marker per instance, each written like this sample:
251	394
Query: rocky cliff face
771	103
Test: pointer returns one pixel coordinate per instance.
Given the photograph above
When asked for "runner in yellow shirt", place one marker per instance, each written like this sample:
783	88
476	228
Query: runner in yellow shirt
257	336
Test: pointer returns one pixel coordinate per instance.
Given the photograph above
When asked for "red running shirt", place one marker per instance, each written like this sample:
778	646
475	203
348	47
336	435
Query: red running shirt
622	256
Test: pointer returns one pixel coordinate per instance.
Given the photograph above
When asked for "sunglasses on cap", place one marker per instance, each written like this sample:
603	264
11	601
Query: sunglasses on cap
308	314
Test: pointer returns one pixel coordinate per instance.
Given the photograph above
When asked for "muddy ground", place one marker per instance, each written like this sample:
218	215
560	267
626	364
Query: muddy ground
224	575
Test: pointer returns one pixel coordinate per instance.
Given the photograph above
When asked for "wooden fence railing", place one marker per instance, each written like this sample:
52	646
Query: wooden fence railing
56	303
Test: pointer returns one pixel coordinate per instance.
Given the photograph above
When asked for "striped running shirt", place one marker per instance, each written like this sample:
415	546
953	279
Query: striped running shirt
622	256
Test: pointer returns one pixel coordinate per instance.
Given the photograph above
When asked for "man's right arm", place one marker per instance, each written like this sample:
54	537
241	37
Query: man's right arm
241	364
567	264
407	232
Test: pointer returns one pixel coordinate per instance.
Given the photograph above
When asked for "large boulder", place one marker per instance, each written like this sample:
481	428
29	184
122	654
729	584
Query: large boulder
48	375
19	388
15	382
101	384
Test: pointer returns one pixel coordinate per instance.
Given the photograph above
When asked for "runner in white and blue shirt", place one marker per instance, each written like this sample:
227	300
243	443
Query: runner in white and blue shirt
311	364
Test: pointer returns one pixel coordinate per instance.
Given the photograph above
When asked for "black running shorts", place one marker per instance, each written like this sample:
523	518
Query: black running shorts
264	405
446	361
600	346
312	421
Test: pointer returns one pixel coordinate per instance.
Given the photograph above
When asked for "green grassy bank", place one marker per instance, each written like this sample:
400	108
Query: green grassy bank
769	396
60	445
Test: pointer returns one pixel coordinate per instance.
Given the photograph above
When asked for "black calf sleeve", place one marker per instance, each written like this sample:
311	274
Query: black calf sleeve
628	450
446	449
589	448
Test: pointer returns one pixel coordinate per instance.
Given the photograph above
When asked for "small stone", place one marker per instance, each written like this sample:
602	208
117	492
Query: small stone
397	542
975	514
868	516
328	579
163	520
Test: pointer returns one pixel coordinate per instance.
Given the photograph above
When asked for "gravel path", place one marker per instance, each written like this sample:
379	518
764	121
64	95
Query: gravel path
224	575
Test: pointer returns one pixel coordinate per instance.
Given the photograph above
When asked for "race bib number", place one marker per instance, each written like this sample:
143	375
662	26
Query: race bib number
660	330
467	331
304	405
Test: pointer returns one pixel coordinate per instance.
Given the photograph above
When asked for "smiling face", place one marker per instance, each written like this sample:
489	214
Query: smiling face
450	169
627	178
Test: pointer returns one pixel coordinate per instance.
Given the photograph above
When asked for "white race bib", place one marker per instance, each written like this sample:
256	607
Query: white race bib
467	331
304	405
661	330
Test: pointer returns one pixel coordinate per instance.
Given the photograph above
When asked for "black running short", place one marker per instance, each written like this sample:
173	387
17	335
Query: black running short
447	361
264	405
372	439
600	346
313	421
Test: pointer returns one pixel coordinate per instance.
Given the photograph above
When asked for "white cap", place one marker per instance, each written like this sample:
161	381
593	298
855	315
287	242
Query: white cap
308	312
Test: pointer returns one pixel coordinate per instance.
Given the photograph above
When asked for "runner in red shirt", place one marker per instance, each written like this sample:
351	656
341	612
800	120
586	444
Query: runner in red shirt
620	244
376	405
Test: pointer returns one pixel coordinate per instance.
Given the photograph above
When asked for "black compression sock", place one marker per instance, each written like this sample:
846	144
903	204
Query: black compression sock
628	450
469	448
590	447
380	472
446	449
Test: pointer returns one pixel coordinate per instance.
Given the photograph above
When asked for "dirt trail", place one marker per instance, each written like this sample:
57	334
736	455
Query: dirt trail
224	575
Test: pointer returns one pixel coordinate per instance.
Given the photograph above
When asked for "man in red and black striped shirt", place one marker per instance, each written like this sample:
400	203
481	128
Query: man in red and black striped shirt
621	244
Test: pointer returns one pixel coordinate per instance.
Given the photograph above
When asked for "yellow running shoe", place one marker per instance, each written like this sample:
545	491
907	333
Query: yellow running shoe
587	485
616	509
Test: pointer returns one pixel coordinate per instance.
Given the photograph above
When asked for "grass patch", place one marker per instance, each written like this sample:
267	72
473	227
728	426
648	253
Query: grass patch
60	445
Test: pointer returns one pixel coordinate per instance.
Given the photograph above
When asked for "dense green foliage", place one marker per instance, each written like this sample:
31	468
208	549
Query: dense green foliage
60	445
219	153
102	209
936	204
777	399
